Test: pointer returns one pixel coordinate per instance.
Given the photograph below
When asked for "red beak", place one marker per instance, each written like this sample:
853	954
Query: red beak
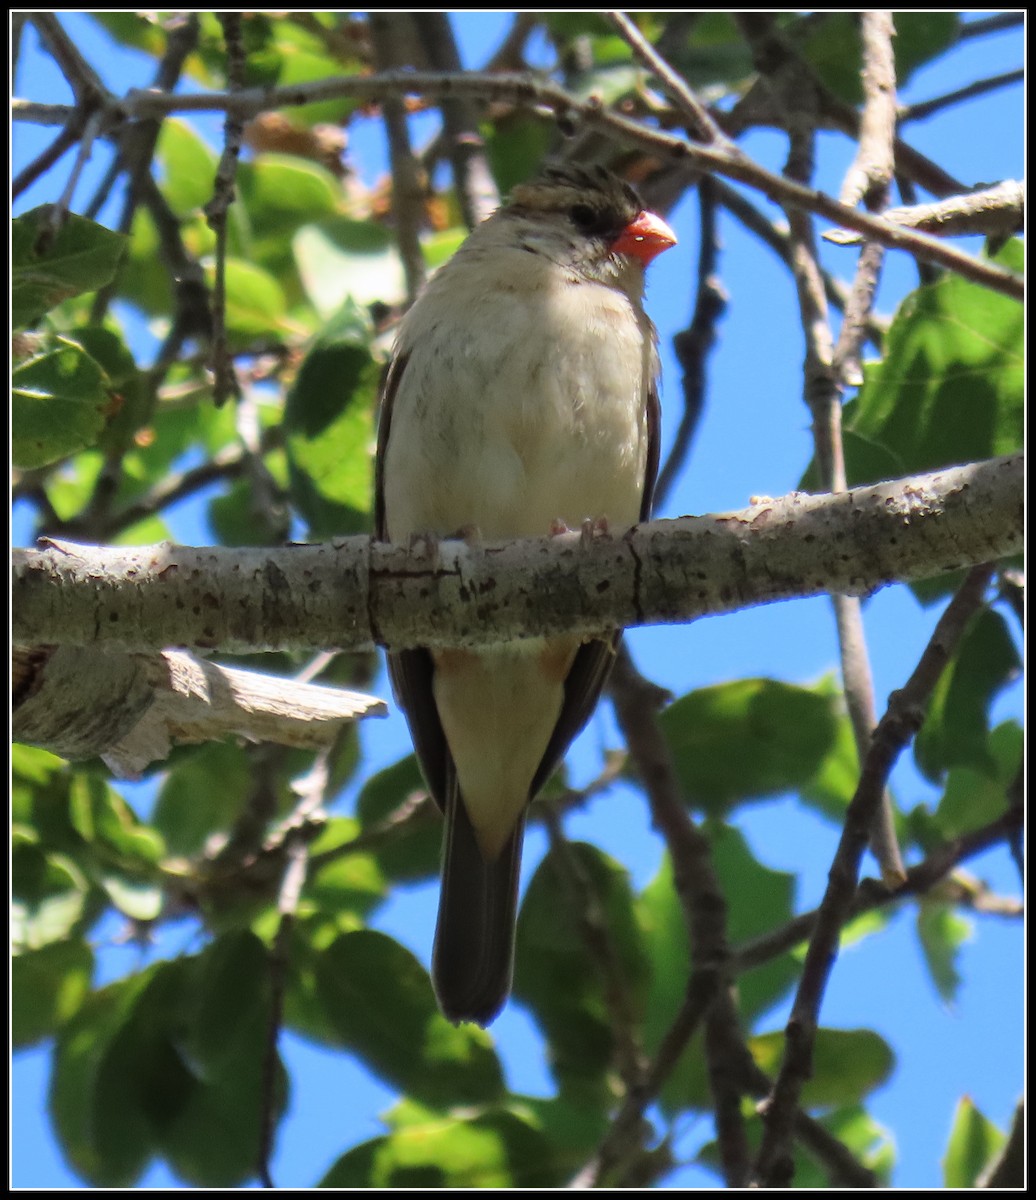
645	238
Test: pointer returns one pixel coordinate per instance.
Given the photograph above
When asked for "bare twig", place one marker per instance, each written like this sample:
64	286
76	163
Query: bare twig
926	108
53	153
699	122
779	58
601	947
225	381
871	894
995	212
704	905
901	720
547	98
869	176
476	189
509	55
995	24
82	78
692	345
778	239
408	182
279	959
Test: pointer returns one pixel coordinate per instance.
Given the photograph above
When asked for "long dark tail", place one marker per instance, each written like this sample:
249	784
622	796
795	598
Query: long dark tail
473	954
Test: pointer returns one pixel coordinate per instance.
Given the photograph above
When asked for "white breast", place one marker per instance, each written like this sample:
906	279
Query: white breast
522	401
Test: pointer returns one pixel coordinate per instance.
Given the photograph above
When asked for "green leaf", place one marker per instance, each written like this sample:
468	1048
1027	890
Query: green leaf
350	882
556	973
498	1149
747	740
59	403
834	785
144	280
82	258
942	931
758	900
956	728
379	1001
229	1002
329	423
103	817
305	60
110	1143
169	1060
974	1141
833	47
191	804
516	145
950	388
283	192
141	31
972	798
413	852
340	259
188	165
255	301
47	986
49	894
128	395
847	1064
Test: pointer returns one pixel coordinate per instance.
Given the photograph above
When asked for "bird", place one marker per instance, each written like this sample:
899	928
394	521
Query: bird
520	398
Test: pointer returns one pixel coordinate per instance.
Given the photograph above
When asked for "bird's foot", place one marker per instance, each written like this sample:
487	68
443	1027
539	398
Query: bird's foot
590	529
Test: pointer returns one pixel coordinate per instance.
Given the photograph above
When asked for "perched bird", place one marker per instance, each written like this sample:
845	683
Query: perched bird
522	392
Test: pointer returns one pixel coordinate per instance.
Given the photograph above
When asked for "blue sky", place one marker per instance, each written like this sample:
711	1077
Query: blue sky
754	440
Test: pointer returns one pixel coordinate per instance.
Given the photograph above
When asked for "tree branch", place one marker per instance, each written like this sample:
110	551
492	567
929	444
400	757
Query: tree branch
352	594
901	720
556	102
130	709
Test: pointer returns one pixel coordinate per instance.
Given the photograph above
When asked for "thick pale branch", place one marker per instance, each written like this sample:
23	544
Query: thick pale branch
352	594
129	709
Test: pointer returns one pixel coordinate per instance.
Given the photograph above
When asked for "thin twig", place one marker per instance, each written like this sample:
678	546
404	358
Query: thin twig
926	108
83	79
699	122
545	97
225	381
408	181
702	900
53	153
692	345
596	936
870	175
510	54
58	213
900	721
870	179
995	212
778	239
476	189
996	24
871	894
294	878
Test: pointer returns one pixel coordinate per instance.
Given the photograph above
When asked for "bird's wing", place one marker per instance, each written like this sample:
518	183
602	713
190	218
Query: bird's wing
594	659
410	670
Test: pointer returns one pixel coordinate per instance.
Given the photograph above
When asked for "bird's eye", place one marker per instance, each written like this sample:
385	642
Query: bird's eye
583	216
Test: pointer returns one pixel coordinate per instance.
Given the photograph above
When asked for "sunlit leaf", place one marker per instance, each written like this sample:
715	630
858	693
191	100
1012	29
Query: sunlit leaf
83	257
974	1141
